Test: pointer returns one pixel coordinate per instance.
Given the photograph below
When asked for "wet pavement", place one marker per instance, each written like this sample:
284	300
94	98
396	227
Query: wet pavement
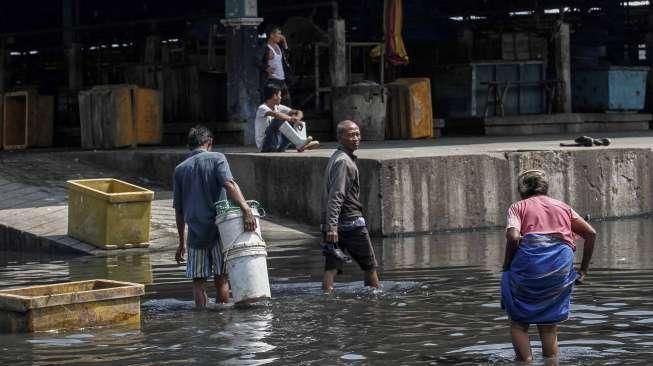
439	305
34	205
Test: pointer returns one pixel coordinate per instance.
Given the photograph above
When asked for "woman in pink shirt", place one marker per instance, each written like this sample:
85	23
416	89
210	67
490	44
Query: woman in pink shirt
538	269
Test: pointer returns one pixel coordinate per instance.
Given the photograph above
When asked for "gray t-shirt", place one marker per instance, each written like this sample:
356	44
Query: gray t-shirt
198	183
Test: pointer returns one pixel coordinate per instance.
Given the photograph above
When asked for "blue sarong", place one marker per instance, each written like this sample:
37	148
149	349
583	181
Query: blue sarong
537	287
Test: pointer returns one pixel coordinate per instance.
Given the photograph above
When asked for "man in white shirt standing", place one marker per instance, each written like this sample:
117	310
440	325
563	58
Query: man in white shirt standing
274	62
277	126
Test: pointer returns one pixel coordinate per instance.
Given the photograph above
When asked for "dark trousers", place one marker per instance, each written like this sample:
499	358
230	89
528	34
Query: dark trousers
274	140
357	243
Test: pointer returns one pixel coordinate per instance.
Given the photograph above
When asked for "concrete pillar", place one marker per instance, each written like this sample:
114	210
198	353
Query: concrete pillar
3	65
562	65
240	9
649	38
243	86
72	49
75	63
152	49
337	53
615	23
466	41
67	19
649	62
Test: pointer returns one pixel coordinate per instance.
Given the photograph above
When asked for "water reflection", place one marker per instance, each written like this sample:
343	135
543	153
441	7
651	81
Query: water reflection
118	267
439	305
244	336
483	249
623	244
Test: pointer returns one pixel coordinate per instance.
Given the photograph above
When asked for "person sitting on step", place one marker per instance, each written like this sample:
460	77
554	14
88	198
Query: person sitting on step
277	126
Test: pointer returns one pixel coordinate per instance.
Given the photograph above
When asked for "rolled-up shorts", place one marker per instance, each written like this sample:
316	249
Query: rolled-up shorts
204	262
357	243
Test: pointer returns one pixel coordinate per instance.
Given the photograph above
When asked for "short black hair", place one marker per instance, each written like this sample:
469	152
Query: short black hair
274	28
343	126
269	90
198	136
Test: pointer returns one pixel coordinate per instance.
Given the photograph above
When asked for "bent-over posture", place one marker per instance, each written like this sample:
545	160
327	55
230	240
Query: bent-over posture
538	270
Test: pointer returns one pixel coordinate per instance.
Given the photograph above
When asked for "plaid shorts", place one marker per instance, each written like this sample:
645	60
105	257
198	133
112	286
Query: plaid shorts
204	262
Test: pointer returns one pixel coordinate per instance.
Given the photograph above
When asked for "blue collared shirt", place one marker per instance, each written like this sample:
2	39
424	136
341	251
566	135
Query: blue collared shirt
198	183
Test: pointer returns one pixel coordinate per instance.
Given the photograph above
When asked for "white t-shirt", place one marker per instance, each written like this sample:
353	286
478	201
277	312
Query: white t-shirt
262	121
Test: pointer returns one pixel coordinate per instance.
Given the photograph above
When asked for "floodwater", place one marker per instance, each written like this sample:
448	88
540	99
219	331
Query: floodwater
439	305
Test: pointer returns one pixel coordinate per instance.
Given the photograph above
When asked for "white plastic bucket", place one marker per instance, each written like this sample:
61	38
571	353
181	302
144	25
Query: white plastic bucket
248	273
232	229
245	257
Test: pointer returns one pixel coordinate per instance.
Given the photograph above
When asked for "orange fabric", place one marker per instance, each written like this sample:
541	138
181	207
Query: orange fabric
394	44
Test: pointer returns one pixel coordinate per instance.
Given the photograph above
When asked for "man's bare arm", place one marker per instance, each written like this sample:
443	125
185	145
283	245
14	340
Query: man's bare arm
297	113
234	194
279	115
181	229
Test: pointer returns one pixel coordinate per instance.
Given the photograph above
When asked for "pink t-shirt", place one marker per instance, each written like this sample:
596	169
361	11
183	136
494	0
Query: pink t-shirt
543	215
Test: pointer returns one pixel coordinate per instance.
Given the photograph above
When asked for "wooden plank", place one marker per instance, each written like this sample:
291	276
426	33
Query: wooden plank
148	119
41	120
15	127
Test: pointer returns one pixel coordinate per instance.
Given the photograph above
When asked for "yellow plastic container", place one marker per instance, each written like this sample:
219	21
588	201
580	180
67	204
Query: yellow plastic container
70	305
109	213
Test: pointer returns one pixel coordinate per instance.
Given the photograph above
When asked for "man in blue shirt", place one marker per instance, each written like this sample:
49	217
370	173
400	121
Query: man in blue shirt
199	181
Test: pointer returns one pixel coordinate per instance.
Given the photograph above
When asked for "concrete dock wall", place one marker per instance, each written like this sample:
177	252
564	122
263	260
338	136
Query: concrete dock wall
600	183
474	191
291	186
427	193
443	192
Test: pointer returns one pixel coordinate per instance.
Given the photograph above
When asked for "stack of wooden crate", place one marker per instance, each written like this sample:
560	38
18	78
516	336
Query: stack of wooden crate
409	110
119	115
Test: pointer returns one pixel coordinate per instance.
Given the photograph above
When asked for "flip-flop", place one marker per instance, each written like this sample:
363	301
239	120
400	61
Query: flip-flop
584	140
332	249
602	142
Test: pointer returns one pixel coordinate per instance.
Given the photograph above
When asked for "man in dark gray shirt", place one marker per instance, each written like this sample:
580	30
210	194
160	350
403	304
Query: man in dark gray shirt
199	181
342	223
